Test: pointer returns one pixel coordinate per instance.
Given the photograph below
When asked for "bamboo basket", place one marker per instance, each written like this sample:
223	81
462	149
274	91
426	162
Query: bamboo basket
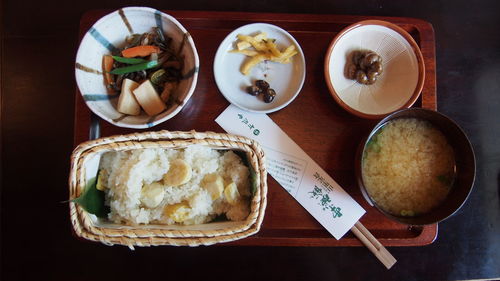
89	227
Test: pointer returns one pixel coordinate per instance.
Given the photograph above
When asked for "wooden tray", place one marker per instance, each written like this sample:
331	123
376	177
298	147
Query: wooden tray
314	121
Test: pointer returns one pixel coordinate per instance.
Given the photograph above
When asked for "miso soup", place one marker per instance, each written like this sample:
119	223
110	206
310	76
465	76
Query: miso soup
408	167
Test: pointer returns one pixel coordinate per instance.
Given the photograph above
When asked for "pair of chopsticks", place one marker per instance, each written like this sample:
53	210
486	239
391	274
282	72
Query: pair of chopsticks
373	245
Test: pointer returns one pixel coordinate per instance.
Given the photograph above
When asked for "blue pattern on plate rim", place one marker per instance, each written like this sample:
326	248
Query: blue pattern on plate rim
151	121
158	20
99	97
101	39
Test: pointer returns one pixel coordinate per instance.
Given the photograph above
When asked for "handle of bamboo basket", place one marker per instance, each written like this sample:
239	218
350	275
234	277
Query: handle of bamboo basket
373	245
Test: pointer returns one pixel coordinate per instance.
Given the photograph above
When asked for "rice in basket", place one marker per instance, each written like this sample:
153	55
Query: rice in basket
186	186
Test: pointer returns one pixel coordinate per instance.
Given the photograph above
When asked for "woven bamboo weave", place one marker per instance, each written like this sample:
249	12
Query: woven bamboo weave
154	235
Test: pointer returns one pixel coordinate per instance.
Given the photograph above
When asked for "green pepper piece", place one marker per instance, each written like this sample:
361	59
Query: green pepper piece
129	60
135	67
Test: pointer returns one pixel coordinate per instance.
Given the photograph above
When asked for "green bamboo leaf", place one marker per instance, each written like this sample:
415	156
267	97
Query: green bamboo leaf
92	200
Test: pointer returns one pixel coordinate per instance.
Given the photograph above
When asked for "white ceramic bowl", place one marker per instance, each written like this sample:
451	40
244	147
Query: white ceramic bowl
285	79
396	88
109	33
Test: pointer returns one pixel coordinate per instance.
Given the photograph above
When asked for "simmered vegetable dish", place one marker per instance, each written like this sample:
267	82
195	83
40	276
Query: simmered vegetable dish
146	73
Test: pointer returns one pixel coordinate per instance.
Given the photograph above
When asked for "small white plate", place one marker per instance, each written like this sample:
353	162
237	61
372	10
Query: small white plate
285	79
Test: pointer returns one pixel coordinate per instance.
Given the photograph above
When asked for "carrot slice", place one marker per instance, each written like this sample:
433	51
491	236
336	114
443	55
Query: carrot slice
140	51
107	66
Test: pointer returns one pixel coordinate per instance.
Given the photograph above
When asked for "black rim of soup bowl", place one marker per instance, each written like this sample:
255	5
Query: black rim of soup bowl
465	166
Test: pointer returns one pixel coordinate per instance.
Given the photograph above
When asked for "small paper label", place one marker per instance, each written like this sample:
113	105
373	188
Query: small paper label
295	171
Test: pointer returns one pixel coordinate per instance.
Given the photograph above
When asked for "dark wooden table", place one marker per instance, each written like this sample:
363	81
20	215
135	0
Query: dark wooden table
39	42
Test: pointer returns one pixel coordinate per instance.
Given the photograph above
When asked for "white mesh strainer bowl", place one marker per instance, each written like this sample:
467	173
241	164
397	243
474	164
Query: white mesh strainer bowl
397	87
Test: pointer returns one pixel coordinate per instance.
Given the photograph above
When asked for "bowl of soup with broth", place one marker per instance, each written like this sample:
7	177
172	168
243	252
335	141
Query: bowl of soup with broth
416	166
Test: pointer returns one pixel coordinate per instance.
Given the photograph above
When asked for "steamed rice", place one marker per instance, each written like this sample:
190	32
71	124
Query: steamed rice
126	173
408	167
